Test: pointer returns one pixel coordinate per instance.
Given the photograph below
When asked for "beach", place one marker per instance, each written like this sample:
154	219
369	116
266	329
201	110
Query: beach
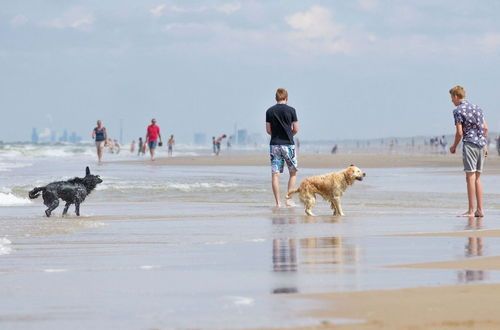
194	242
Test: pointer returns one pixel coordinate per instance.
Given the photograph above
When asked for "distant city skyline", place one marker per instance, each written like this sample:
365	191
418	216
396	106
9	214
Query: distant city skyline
354	69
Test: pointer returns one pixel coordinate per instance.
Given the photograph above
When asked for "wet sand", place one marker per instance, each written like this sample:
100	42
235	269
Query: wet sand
444	307
324	161
471	306
447	307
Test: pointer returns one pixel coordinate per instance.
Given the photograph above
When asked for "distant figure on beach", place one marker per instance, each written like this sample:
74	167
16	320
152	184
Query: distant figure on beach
117	146
443	143
170	144
282	125
132	147
217	142
213	144
229	142
498	144
471	128
334	149
110	145
140	146
152	137
100	136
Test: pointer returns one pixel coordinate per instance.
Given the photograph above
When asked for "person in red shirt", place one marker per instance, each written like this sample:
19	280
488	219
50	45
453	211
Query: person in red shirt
152	137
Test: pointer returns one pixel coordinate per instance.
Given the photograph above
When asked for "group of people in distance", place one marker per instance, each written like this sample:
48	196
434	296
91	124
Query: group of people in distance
282	126
151	142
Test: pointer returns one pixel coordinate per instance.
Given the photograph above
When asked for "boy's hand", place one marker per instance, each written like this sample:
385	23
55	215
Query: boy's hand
453	149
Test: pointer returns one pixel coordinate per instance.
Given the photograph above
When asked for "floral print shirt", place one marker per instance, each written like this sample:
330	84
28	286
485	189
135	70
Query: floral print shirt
471	117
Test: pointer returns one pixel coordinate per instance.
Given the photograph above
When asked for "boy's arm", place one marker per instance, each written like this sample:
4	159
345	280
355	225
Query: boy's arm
458	138
268	128
485	127
295	127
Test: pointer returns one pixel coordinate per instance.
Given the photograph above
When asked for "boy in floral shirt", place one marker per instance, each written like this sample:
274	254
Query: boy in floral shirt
472	130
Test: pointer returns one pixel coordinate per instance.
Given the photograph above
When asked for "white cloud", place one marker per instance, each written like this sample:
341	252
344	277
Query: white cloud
368	5
229	8
314	30
75	18
158	10
18	20
162	9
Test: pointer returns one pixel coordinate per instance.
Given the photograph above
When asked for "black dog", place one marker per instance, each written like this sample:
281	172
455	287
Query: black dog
71	191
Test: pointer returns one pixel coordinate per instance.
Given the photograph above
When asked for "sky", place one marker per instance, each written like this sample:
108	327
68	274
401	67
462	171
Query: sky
356	69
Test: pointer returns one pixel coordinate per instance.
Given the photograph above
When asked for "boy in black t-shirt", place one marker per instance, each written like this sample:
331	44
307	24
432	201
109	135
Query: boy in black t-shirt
282	125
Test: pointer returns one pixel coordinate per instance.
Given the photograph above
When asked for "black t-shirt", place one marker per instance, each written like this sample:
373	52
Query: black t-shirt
281	117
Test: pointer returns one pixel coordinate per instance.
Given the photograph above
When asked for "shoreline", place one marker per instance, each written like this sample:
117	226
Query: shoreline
337	161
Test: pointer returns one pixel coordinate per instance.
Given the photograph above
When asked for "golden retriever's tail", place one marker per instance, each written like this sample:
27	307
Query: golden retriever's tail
291	192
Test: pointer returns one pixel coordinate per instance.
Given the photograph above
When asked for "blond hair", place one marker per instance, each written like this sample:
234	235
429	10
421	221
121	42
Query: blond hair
281	94
458	91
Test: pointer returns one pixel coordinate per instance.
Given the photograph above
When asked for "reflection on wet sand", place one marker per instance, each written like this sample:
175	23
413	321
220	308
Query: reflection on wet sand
473	248
311	255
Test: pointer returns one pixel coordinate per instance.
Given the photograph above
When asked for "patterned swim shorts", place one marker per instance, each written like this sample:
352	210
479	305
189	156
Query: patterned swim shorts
281	154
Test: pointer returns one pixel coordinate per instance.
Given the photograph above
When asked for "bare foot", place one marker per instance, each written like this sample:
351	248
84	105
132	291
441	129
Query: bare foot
290	203
479	214
466	215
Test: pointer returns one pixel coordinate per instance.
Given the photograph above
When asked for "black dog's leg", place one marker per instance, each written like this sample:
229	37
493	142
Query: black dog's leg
77	208
52	207
66	207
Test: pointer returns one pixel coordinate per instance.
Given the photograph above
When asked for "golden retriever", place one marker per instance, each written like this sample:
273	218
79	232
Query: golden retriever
329	186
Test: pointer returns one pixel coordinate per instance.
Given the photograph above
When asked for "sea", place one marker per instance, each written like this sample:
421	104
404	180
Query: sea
183	247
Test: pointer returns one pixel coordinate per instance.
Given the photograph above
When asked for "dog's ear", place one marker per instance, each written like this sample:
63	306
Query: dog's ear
87	171
351	165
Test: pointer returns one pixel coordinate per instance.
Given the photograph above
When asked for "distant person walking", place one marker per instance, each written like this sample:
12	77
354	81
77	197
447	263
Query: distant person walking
132	147
140	146
471	128
152	137
214	148
282	125
100	136
170	144
217	142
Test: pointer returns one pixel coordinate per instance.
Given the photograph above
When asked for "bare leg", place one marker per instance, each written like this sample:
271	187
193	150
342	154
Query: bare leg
152	153
470	178
275	182
291	185
479	196
99	153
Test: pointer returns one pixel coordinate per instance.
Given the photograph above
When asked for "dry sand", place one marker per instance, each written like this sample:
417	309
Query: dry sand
325	161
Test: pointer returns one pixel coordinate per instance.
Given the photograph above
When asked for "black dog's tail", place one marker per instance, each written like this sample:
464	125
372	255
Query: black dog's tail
36	192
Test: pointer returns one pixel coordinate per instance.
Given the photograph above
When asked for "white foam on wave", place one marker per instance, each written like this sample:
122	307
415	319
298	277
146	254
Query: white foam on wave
149	267
55	270
5	246
9	199
184	187
242	301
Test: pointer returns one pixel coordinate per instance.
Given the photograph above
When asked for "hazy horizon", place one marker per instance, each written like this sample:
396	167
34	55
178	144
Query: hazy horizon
364	69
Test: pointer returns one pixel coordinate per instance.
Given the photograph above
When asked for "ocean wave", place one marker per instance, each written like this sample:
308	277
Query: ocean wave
167	186
9	199
5	246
